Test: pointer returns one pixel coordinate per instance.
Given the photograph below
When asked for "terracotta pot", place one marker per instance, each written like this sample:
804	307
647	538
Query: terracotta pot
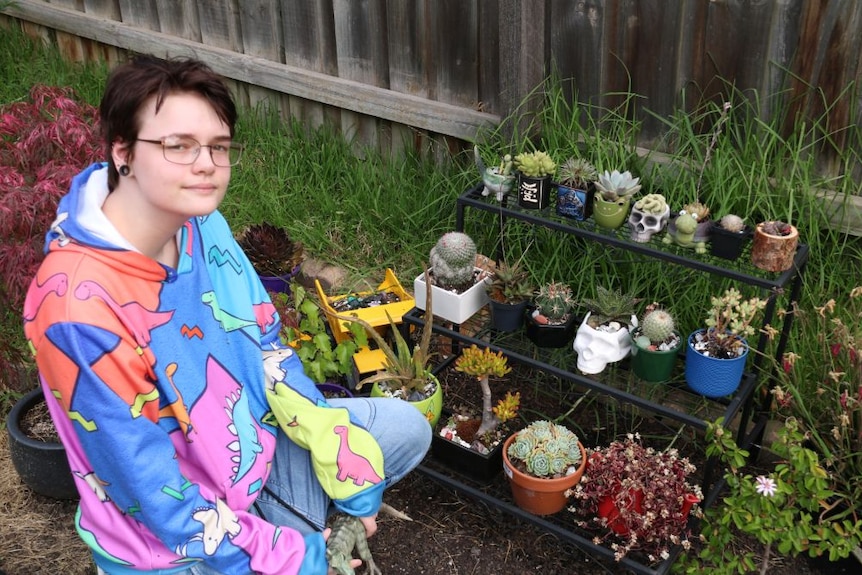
537	495
774	253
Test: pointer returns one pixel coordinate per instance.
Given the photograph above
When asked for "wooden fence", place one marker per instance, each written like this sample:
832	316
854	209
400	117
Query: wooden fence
395	73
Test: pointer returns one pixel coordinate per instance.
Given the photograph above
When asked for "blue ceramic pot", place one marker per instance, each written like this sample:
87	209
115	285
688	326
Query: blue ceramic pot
711	376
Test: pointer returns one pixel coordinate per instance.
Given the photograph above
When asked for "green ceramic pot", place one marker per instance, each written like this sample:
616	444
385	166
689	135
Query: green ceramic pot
610	215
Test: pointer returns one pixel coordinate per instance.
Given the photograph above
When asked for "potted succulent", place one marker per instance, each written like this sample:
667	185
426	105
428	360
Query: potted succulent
604	335
470	443
575	188
543	462
275	256
655	345
728	236
498	179
636	496
407	372
45	140
649	216
614	191
535	171
458	284
715	357
509	292
774	246
551	322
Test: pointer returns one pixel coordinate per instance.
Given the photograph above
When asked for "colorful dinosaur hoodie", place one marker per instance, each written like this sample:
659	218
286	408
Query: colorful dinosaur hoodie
158	381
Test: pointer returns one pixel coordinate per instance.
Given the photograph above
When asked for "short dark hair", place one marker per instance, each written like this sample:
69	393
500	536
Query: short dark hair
131	84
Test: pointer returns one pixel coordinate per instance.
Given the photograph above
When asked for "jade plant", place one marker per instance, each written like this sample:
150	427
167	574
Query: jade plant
545	449
482	363
729	322
453	260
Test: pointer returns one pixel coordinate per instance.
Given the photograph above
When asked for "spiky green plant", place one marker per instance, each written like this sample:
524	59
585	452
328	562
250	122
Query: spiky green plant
510	284
577	173
610	305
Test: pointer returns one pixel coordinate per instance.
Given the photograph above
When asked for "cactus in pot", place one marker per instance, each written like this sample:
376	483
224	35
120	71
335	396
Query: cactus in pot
553	302
453	259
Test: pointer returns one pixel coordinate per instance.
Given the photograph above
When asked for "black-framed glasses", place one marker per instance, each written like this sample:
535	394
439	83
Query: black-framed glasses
184	150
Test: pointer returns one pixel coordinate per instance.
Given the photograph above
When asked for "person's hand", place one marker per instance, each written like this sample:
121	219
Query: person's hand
355	563
370	525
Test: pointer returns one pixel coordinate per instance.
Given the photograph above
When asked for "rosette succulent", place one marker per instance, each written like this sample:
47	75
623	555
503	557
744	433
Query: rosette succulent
546	449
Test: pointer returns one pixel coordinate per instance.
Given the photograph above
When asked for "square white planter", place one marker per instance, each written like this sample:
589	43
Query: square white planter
448	305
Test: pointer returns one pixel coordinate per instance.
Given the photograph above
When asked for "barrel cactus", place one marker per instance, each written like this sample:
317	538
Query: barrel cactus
554	301
732	223
658	326
453	258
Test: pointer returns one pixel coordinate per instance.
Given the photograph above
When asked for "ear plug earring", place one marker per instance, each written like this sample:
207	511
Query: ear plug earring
124	170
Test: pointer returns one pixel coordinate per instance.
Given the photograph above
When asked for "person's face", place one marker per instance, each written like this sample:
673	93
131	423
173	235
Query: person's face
171	190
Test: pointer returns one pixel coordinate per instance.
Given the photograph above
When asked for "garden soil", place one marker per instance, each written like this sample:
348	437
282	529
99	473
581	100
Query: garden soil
449	533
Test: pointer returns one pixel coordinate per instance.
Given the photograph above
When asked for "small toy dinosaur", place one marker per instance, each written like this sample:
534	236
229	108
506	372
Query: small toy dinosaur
348	533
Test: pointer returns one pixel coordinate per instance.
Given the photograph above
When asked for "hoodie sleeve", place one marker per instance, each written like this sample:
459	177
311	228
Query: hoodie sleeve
346	458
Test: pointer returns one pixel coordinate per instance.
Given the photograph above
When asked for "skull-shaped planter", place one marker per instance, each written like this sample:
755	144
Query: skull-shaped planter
597	348
643	224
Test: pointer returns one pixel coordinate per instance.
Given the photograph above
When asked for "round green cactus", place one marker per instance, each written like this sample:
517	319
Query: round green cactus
554	300
658	325
453	259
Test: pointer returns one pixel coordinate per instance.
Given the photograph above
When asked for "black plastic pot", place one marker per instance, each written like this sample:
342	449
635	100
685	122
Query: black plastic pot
475	465
506	316
725	244
41	465
554	336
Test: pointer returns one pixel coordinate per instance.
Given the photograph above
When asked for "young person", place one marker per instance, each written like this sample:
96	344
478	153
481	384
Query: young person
158	351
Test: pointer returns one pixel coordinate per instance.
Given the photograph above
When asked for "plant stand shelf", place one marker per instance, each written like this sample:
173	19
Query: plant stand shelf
672	400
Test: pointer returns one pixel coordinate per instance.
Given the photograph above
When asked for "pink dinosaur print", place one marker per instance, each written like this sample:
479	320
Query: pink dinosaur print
264	315
141	321
57	283
352	465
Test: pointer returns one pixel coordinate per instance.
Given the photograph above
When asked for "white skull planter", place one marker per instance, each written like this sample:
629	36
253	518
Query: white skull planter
597	348
644	224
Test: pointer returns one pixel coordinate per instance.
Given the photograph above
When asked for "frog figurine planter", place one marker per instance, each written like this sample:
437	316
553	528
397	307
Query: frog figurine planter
683	235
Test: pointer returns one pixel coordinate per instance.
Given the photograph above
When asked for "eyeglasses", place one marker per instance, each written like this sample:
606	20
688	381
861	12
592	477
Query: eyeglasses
184	150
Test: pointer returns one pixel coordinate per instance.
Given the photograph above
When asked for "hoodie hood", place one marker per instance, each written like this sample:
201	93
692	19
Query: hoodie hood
82	227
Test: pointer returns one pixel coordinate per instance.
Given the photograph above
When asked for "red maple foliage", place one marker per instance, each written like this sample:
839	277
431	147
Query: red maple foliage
44	142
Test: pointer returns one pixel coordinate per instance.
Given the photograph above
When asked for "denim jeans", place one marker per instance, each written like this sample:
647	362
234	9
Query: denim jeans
294	498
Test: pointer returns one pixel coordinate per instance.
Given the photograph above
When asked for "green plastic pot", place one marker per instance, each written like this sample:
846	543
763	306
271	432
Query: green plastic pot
652	365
